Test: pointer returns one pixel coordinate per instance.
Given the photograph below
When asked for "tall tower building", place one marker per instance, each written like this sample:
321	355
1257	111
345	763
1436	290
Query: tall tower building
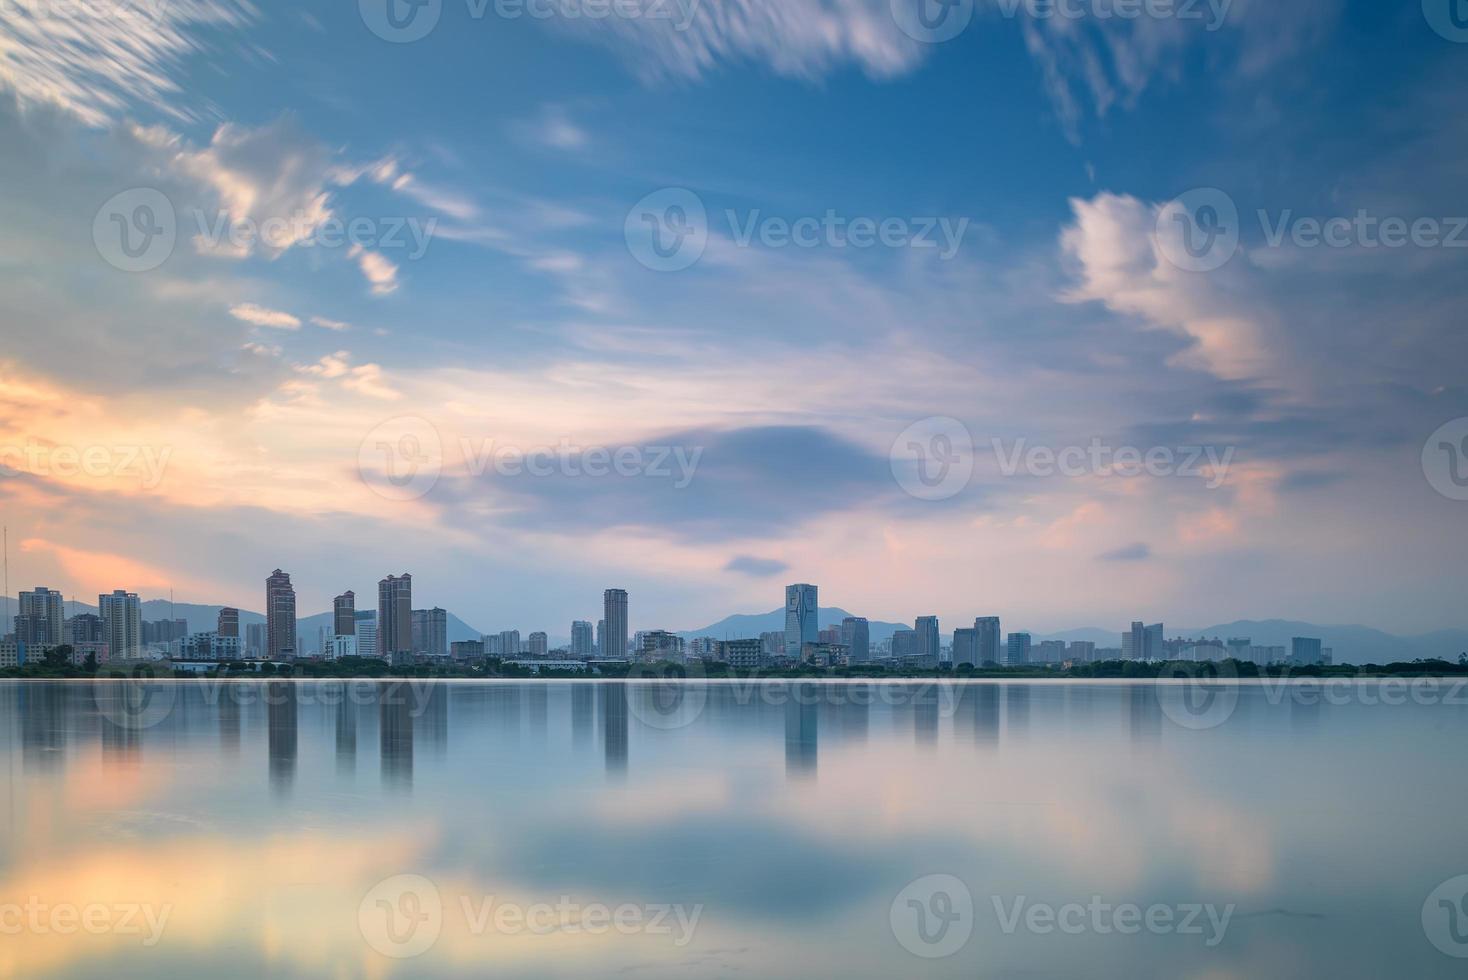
41	617
280	616
344	614
856	635
989	642
614	612
800	619
928	644
582	641
229	622
395	618
1018	653
122	624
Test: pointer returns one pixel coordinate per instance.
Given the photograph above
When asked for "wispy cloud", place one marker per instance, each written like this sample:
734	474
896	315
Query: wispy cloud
261	316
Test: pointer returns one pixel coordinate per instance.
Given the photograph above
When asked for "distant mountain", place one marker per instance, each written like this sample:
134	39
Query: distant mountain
748	627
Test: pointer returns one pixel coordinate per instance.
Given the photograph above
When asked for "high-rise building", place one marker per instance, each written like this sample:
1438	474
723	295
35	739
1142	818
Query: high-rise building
280	616
510	643
431	633
1082	651
857	638
1154	645
601	636
991	646
614	611
255	640
965	647
658	645
582	641
1306	651
367	635
344	614
801	612
229	622
45	615
395	618
904	643
1017	653
539	644
122	624
1050	652
928	643
84	628
773	643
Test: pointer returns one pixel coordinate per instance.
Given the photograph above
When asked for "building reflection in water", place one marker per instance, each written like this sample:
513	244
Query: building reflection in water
1016	710
582	714
925	713
853	716
346	733
977	713
281	714
1144	714
614	727
42	727
536	710
802	716
431	707
395	729
229	719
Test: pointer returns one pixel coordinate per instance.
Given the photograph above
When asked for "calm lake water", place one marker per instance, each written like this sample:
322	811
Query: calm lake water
1047	829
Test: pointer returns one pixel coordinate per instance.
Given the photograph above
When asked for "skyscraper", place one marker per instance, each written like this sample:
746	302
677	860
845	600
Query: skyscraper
539	644
122	624
395	618
1018	652
438	633
509	643
42	609
965	647
856	636
614	612
229	622
1155	645
801	610
344	614
367	635
582	641
926	628
280	616
990	647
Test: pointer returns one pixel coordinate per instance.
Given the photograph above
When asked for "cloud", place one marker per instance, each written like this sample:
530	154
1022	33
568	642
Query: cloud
795	38
262	317
1132	552
759	567
321	321
96	60
553	128
381	273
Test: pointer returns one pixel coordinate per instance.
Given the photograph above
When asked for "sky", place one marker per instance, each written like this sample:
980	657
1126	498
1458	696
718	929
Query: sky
1073	314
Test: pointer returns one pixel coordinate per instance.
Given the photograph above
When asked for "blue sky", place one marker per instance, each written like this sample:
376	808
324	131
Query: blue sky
499	170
